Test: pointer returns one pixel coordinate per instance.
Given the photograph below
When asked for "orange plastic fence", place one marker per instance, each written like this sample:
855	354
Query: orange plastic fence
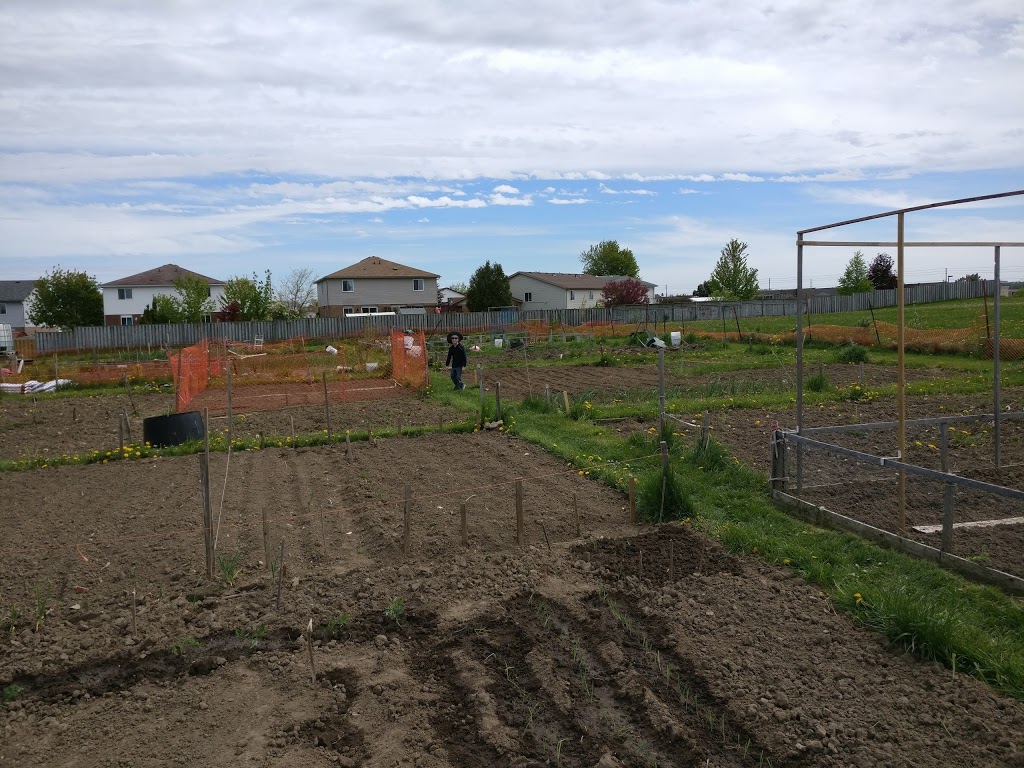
190	369
409	359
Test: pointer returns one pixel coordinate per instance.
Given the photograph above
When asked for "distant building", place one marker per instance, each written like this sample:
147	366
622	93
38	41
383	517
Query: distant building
126	299
16	303
375	285
559	290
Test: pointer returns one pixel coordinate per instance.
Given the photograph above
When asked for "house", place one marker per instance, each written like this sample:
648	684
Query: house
452	301
16	303
126	299
375	285
559	290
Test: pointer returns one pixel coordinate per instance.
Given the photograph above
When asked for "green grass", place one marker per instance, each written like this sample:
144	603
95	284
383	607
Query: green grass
916	605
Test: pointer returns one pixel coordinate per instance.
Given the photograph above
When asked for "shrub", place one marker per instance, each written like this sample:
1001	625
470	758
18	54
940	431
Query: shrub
818	382
852	353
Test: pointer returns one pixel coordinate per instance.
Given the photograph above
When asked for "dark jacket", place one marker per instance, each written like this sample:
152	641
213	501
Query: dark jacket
456	356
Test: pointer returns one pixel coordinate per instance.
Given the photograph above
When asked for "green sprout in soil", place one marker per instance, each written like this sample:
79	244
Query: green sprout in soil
229	566
12	691
395	610
179	647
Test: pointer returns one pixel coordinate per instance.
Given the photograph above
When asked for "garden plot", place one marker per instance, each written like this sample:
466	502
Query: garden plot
623	646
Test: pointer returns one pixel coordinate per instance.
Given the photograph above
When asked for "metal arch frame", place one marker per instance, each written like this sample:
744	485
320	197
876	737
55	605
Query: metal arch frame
900	244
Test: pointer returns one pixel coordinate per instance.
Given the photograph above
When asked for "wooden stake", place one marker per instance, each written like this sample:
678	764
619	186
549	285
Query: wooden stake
230	393
204	485
399	426
135	621
641	563
465	526
309	644
497	401
632	499
327	408
266	538
74	414
545	532
127	426
519	512
120	432
576	513
323	531
407	535
293	431
280	575
565	399
348	446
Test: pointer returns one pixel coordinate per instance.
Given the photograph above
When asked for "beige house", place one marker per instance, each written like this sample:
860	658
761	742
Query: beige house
375	285
560	290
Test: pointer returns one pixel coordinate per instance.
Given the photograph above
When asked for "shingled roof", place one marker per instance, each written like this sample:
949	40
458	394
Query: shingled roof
16	290
578	282
374	266
161	276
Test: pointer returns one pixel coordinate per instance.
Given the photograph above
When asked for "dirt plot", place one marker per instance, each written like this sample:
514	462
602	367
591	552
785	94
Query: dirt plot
625	646
57	426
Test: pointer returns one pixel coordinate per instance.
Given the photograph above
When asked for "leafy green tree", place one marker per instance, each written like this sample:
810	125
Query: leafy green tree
459	287
164	309
246	299
628	291
702	290
193	299
66	299
855	278
732	279
881	273
488	287
607	258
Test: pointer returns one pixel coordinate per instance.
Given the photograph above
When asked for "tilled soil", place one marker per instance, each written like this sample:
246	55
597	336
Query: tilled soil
620	646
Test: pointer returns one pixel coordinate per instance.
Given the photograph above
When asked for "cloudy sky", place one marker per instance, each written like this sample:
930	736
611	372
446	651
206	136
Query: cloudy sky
241	135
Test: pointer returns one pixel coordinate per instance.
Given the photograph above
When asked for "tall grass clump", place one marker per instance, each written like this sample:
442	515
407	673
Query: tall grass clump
852	353
660	497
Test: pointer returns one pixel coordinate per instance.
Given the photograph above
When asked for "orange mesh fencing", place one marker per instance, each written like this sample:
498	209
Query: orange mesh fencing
409	359
190	369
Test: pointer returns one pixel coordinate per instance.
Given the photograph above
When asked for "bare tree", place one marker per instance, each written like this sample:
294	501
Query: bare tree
297	291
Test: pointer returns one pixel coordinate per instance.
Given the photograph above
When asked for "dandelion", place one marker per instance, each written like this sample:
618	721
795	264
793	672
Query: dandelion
858	598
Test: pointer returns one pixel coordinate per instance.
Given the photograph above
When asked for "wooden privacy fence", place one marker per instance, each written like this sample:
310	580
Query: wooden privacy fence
806	471
186	334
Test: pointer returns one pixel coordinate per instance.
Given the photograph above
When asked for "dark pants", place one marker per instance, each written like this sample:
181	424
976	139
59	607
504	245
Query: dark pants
457	378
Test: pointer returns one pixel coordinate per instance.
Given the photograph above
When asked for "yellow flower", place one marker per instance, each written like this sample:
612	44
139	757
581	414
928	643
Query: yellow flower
858	598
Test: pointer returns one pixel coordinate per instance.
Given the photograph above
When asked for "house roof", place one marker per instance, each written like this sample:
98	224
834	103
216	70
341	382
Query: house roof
374	266
577	282
16	290
161	276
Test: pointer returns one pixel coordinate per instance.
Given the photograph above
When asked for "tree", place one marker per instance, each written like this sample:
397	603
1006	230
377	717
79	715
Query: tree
855	278
297	292
164	309
627	291
488	287
246	299
66	299
193	299
702	290
881	274
460	287
607	258
732	279
971	278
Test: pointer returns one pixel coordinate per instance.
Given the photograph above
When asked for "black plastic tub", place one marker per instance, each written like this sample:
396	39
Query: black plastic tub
174	429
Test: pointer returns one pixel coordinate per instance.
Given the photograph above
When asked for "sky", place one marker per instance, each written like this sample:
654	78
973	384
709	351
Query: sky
242	136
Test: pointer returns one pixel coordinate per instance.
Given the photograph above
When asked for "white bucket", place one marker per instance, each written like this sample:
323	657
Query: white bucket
415	350
499	343
676	337
371	367
407	341
332	350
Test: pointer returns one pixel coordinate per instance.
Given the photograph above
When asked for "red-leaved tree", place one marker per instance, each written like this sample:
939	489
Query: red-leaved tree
627	291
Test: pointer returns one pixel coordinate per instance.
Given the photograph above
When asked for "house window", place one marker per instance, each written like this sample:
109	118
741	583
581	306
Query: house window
417	284
207	318
124	293
591	295
209	292
572	295
3	309
127	320
528	296
349	310
364	310
347	286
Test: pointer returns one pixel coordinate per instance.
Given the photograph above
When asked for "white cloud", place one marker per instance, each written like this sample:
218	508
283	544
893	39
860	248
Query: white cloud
505	189
572	201
605	190
503	200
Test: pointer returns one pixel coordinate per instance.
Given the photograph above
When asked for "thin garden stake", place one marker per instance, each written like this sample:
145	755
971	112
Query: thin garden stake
230	390
135	625
465	526
348	446
632	499
576	514
309	645
671	559
497	401
327	408
266	536
280	575
408	520
519	512
545	532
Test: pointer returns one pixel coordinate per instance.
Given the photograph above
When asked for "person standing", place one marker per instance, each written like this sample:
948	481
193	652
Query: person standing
456	359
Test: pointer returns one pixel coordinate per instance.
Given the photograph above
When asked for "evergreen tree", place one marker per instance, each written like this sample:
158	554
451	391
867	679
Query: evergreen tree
855	278
488	287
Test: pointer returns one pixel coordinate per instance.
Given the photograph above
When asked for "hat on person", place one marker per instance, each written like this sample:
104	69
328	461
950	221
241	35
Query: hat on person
454	335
